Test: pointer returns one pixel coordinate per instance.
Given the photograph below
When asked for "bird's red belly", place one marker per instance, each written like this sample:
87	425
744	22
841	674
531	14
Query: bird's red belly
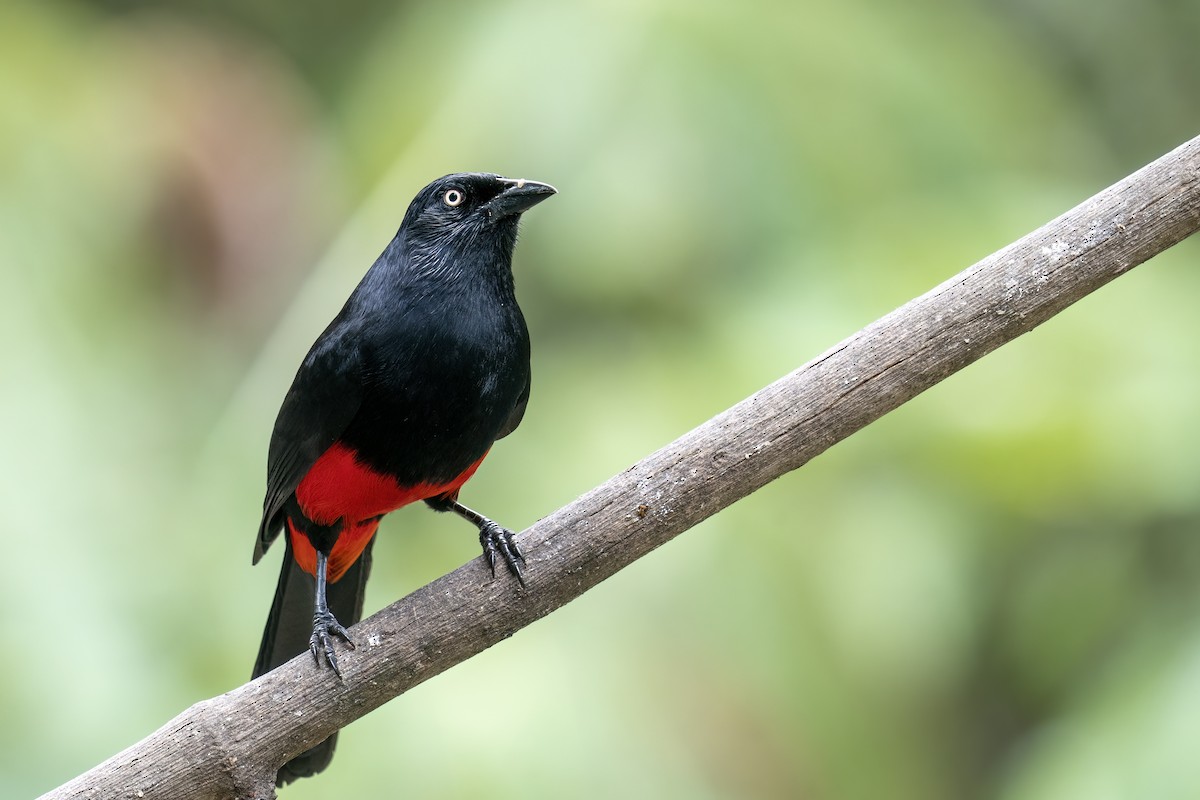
339	488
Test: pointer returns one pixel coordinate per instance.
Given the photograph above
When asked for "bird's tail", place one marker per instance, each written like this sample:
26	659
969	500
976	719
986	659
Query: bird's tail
289	627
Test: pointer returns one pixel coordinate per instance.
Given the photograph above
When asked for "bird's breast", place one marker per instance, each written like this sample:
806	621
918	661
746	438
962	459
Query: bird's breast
436	397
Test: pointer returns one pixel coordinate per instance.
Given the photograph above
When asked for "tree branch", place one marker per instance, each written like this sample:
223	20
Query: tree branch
231	746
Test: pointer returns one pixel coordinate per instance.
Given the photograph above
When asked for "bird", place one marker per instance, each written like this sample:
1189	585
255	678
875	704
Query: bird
399	400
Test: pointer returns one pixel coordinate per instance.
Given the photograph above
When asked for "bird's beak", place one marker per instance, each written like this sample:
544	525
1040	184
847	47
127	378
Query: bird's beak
519	196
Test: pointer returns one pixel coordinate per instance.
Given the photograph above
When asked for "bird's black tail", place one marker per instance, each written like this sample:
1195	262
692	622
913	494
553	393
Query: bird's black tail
289	626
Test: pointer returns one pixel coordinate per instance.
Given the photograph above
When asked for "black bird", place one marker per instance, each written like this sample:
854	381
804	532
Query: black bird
399	400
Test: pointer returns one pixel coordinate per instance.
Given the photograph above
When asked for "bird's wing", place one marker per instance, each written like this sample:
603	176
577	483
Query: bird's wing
324	398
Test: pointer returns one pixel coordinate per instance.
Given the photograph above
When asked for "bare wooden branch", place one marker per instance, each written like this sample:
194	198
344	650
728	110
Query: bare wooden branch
230	746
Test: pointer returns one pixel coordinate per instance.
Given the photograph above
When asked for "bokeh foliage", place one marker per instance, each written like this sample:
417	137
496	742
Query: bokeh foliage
992	592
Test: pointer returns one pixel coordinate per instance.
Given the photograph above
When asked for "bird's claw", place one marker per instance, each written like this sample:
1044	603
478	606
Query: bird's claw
499	541
326	626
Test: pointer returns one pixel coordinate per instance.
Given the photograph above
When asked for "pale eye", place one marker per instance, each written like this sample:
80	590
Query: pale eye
453	197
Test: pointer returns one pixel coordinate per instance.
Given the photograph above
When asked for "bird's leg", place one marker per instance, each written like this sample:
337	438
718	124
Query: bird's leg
325	624
494	539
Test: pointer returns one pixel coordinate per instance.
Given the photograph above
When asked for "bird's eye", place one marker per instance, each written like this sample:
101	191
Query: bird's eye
453	197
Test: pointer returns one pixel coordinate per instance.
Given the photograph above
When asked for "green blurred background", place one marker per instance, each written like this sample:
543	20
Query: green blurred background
993	592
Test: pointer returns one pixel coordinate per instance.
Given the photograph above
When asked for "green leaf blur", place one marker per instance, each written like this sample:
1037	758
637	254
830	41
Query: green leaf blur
990	593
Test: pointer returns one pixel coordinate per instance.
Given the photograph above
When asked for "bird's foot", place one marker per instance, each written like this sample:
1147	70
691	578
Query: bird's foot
499	541
325	627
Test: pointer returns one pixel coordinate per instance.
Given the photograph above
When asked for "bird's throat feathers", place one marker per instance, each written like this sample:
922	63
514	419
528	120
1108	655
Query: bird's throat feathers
446	260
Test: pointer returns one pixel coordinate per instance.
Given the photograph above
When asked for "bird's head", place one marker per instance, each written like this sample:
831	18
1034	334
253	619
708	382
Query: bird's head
468	214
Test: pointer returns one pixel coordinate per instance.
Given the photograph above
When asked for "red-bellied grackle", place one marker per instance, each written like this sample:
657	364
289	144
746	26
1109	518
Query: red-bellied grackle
399	400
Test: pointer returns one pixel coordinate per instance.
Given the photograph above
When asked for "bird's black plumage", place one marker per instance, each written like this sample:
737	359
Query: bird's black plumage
398	400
